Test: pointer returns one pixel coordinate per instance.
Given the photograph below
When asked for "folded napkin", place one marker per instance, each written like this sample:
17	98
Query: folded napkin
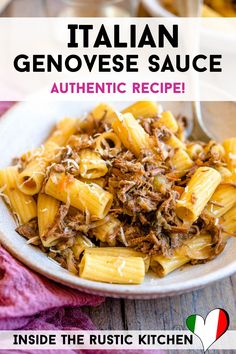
29	301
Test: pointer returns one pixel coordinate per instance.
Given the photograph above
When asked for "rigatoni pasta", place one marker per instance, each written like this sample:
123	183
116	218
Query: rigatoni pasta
194	150
89	198
99	181
107	231
222	200
144	109
101	111
108	141
121	270
175	142
197	193
23	206
115	194
64	129
92	165
228	221
30	180
131	133
181	161
47	209
230	153
162	266
81	244
224	171
119	252
167	120
198	248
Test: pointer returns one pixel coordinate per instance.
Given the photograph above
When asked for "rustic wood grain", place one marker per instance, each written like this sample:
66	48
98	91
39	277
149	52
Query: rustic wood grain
165	313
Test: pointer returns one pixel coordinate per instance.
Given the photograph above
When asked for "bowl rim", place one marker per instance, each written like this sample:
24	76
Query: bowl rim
119	290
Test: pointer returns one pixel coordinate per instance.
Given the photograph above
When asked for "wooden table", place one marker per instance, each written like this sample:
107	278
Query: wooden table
165	313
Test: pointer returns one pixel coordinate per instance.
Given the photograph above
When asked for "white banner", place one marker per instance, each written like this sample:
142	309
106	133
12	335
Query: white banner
171	340
171	59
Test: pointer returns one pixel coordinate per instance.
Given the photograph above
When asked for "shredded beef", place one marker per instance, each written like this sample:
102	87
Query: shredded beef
59	229
28	230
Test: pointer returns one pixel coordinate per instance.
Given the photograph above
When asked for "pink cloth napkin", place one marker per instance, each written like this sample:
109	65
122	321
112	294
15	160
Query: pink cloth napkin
29	301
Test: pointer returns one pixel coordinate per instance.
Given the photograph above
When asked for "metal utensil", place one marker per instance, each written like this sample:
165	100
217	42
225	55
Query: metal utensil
189	8
193	8
199	130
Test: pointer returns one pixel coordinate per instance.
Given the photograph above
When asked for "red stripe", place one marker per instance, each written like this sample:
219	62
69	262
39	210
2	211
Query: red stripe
222	324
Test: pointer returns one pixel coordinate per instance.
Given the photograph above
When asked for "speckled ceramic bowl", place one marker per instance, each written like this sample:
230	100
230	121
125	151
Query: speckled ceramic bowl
26	126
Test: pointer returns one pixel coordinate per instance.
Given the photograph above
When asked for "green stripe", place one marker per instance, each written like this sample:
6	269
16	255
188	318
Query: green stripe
190	322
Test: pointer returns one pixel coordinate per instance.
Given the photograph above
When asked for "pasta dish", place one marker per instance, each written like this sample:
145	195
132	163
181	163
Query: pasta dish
116	194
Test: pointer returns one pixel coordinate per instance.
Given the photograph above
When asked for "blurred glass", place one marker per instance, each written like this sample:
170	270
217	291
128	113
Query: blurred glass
98	8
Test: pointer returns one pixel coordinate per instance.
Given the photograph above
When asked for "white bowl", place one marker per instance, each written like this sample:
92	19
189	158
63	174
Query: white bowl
25	126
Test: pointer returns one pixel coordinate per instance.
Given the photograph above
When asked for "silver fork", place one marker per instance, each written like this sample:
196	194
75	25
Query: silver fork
192	8
199	130
189	8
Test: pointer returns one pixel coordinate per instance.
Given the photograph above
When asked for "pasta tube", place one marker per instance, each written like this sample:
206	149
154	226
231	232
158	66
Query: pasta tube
230	153
130	132
81	243
119	270
230	179
91	164
144	109
228	221
99	181
216	150
30	180
194	150
64	129
224	171
22	205
175	142
222	200
181	161
108	141
198	192
163	265
167	120
47	210
102	111
198	247
86	197
119	252
29	155
107	229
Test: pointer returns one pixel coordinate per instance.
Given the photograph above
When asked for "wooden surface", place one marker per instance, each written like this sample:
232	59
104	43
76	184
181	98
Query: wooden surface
166	313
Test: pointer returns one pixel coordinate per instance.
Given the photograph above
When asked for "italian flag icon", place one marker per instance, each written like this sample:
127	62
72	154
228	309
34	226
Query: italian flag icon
210	330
